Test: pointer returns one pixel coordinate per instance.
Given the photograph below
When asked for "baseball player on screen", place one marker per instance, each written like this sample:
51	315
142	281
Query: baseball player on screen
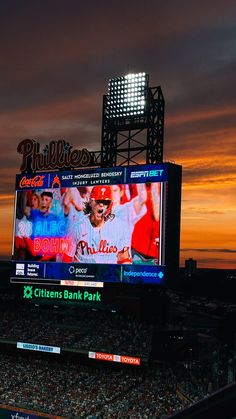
97	236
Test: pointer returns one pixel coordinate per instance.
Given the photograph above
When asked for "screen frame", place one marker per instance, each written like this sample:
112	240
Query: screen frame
92	177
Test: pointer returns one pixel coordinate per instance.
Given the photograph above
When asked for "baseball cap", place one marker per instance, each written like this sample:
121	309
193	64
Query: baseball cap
101	193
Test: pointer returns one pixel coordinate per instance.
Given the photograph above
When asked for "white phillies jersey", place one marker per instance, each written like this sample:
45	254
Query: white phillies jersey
126	213
97	244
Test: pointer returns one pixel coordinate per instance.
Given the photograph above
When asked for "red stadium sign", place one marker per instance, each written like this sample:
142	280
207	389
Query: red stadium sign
104	357
101	356
34	182
130	360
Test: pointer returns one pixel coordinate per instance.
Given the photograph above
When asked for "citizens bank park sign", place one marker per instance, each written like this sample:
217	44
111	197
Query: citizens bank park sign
55	156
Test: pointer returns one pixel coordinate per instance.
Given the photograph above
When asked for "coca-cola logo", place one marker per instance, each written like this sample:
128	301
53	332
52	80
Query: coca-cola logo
35	182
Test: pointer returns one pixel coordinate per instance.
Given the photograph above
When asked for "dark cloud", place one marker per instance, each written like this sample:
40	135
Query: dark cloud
209	250
66	48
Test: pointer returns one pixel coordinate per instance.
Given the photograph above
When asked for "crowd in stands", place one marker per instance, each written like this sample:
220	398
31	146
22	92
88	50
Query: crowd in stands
73	391
81	330
154	397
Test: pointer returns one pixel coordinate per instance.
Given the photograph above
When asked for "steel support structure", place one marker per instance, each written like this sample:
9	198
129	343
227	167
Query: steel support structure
134	139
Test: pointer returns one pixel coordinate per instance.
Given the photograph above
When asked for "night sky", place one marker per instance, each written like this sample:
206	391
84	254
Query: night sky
56	60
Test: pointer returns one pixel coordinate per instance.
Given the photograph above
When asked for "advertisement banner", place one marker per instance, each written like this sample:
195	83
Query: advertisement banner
41	293
101	356
38	347
95	176
73	274
9	412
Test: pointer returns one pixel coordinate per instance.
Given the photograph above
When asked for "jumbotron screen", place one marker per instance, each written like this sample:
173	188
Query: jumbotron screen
99	225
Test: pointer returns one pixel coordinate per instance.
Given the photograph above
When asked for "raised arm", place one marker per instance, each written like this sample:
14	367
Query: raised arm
141	199
155	193
72	197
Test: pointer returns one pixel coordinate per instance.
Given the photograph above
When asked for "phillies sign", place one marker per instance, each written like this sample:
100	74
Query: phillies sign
55	155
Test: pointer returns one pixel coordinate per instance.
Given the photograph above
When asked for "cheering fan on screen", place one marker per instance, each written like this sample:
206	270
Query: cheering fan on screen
96	234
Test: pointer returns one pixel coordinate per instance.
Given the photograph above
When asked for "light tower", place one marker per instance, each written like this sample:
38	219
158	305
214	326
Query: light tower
132	122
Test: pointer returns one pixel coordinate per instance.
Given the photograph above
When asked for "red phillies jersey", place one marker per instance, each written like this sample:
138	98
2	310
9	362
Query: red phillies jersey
146	233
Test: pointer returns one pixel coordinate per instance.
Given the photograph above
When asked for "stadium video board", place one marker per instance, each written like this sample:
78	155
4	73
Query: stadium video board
99	225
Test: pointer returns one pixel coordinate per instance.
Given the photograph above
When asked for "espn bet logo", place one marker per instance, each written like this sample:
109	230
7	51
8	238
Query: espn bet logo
28	292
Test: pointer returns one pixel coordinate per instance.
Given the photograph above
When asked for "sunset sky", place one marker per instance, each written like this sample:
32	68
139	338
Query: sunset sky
56	60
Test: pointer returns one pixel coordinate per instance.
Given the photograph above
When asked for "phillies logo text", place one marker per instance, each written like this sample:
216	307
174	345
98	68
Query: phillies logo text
55	155
103	248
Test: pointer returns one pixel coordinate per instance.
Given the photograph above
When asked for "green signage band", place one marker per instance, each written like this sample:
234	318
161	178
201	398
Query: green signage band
30	292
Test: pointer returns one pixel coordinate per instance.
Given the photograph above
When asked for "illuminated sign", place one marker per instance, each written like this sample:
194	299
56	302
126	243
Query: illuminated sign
9	412
93	225
72	275
101	356
146	173
38	347
89	284
56	155
34	182
30	292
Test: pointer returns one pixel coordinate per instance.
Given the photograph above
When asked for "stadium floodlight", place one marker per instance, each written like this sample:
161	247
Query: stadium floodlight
127	96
